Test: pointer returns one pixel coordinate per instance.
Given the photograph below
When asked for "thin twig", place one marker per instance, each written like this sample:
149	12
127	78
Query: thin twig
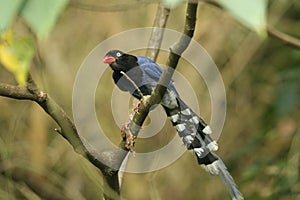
99	7
289	40
133	83
212	2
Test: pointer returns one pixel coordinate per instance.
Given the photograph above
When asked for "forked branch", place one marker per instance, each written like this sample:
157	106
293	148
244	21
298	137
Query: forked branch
67	128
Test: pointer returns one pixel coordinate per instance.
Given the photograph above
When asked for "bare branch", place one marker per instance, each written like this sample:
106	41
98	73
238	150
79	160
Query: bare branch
174	56
111	7
285	38
133	83
16	92
176	51
289	40
212	2
67	129
156	37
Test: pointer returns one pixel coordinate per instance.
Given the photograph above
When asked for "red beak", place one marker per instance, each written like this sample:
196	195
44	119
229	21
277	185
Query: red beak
108	59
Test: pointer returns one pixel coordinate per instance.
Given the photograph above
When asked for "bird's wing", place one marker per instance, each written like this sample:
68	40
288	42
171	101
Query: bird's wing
151	69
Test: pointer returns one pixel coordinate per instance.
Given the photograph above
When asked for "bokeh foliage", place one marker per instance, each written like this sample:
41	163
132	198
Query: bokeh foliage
260	141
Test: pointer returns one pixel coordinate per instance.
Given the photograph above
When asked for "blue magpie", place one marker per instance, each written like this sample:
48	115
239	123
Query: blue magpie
142	75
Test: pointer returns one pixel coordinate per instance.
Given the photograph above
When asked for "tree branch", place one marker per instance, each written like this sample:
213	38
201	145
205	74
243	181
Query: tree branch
175	53
285	38
212	2
112	7
133	83
156	37
67	129
289	40
16	92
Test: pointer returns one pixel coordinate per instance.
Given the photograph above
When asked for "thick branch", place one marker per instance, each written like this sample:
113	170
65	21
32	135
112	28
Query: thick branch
176	50
175	54
16	92
67	127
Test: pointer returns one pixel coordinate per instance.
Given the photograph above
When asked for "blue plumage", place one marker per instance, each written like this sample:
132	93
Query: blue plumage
152	70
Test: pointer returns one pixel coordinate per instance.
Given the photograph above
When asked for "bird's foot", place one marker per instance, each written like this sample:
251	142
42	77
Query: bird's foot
136	107
142	100
128	137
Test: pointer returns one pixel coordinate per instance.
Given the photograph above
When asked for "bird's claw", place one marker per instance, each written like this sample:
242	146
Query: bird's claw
128	137
142	100
136	108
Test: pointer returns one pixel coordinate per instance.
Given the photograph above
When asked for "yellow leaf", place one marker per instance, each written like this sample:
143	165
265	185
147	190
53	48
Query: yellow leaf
16	55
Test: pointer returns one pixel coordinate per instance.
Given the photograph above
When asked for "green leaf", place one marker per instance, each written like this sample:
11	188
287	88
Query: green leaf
16	54
8	11
41	16
251	13
171	3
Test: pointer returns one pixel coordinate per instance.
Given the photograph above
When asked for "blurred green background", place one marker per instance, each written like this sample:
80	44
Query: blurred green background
260	140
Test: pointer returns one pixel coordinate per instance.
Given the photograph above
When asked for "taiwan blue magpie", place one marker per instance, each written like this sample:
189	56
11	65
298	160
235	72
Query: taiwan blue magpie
142	75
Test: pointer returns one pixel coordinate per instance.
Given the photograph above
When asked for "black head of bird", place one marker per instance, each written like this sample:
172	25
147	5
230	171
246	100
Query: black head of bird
120	61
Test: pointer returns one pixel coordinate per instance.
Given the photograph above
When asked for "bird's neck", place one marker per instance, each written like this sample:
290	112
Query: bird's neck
128	62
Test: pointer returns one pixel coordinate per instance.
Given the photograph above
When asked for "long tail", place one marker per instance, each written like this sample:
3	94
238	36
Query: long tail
195	134
219	168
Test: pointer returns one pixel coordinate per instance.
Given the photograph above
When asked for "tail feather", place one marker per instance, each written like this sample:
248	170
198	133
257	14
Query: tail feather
220	169
195	134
